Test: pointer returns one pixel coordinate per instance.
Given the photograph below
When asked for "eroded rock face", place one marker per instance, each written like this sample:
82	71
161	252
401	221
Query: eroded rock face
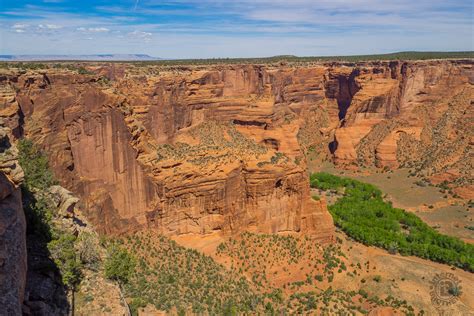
223	148
105	143
424	123
12	229
393	117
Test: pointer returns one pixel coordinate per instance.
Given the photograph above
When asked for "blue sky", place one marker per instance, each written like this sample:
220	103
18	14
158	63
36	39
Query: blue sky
241	28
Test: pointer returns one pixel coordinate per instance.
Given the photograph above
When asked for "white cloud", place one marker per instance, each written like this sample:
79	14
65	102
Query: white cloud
20	31
146	36
50	26
98	29
140	34
19	26
93	29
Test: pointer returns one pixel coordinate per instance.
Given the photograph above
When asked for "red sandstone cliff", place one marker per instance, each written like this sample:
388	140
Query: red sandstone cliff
222	148
178	153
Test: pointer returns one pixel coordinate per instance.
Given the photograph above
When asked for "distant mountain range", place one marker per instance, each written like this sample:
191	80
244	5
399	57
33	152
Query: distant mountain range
99	57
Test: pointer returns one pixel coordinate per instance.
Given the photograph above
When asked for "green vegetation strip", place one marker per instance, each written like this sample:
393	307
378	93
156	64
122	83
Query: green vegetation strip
257	60
363	214
296	59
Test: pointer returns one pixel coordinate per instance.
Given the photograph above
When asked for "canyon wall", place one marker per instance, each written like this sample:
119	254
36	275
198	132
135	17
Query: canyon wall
223	148
177	154
12	228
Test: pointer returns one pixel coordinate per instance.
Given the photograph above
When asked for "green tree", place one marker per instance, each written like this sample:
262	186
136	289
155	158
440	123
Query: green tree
64	255
38	176
119	265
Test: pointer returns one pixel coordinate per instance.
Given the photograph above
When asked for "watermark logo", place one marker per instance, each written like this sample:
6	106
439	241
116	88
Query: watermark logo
445	289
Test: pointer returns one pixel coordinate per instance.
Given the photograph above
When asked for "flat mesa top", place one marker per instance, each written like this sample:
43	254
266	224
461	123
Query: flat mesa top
139	58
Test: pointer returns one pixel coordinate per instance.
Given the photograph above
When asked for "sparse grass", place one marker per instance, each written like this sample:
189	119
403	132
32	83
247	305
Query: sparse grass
218	142
172	277
261	256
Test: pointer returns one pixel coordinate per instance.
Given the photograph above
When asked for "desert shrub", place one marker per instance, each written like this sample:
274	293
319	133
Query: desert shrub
83	71
455	290
135	304
88	249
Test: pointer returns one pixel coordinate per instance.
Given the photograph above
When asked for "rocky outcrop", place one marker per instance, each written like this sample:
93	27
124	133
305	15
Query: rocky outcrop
413	115
196	150
63	200
12	228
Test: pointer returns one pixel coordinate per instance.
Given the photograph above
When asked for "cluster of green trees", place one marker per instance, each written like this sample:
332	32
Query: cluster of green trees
39	210
365	216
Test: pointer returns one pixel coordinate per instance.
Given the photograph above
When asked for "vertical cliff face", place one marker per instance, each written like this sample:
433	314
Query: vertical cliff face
197	152
223	148
12	228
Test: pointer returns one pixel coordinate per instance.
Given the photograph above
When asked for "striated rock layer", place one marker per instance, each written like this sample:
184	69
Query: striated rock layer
223	148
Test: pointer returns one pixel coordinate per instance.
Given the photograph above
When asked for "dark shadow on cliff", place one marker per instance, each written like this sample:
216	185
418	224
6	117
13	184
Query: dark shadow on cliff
347	89
333	146
45	292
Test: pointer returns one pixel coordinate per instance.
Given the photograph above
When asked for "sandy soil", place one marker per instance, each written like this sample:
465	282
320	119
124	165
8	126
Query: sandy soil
407	278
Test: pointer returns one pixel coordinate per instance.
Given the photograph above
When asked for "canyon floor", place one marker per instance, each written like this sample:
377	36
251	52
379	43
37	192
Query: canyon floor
405	277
